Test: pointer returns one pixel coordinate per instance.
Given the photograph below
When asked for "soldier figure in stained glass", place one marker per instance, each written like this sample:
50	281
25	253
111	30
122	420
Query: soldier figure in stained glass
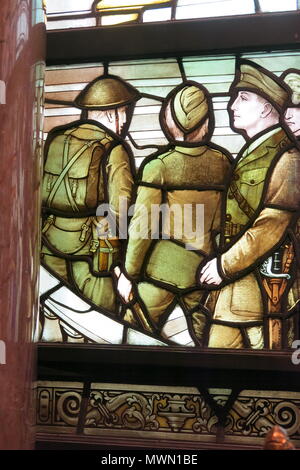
87	163
261	210
192	173
292	119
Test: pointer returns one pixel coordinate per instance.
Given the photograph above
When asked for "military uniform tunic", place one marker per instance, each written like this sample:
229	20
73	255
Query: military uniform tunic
101	174
183	176
262	203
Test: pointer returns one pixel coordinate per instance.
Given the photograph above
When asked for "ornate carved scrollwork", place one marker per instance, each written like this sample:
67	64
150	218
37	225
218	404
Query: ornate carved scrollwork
252	415
128	410
287	414
68	407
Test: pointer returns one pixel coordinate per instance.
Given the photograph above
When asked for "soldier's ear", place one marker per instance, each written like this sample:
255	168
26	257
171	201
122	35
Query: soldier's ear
267	109
110	115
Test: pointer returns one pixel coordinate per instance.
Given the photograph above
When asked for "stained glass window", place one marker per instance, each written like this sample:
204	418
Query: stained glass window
89	13
168	132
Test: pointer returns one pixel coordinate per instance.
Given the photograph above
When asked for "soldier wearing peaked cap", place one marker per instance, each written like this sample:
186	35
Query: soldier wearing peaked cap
87	163
292	119
262	202
193	172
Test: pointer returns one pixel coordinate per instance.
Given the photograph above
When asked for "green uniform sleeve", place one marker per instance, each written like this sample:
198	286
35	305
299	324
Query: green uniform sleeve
119	178
143	227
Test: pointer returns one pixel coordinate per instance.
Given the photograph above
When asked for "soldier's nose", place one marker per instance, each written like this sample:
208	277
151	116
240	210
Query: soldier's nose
233	106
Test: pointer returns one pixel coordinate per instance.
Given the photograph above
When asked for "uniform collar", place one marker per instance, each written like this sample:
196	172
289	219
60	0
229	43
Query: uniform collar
274	139
192	151
259	141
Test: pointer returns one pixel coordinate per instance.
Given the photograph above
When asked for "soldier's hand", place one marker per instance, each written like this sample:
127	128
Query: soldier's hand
209	273
124	285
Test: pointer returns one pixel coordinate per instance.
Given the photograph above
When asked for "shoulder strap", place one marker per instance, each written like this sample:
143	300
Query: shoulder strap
67	166
242	202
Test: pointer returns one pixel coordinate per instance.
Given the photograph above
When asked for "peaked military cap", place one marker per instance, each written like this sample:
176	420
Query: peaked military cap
254	78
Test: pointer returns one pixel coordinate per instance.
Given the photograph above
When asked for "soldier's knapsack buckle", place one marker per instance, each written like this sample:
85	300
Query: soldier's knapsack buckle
84	229
94	246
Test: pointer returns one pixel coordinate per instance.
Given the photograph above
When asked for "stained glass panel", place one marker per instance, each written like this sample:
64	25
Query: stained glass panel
89	13
270	5
205	8
137	129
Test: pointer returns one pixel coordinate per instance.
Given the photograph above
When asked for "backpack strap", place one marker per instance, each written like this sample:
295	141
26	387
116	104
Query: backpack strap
66	168
66	178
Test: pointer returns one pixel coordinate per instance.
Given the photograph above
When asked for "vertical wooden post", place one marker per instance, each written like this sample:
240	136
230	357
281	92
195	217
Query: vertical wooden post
22	54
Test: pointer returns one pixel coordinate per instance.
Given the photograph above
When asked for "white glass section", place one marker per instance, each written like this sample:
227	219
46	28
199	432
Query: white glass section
147	110
68	24
233	143
69	299
67	87
209	8
175	328
278	5
67	6
159	14
183	339
277	62
47	281
139	339
147	134
91	324
62	111
215	73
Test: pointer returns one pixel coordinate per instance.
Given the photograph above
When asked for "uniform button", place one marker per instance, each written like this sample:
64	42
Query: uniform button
236	177
252	181
230	196
228	217
227	240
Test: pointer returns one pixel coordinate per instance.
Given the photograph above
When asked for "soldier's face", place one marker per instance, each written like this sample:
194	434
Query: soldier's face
120	119
247	109
113	119
292	119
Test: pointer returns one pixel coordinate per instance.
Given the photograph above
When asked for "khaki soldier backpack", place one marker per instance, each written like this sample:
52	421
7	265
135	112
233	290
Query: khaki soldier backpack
72	170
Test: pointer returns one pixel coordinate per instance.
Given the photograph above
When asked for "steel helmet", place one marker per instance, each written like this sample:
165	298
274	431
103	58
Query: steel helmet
105	92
